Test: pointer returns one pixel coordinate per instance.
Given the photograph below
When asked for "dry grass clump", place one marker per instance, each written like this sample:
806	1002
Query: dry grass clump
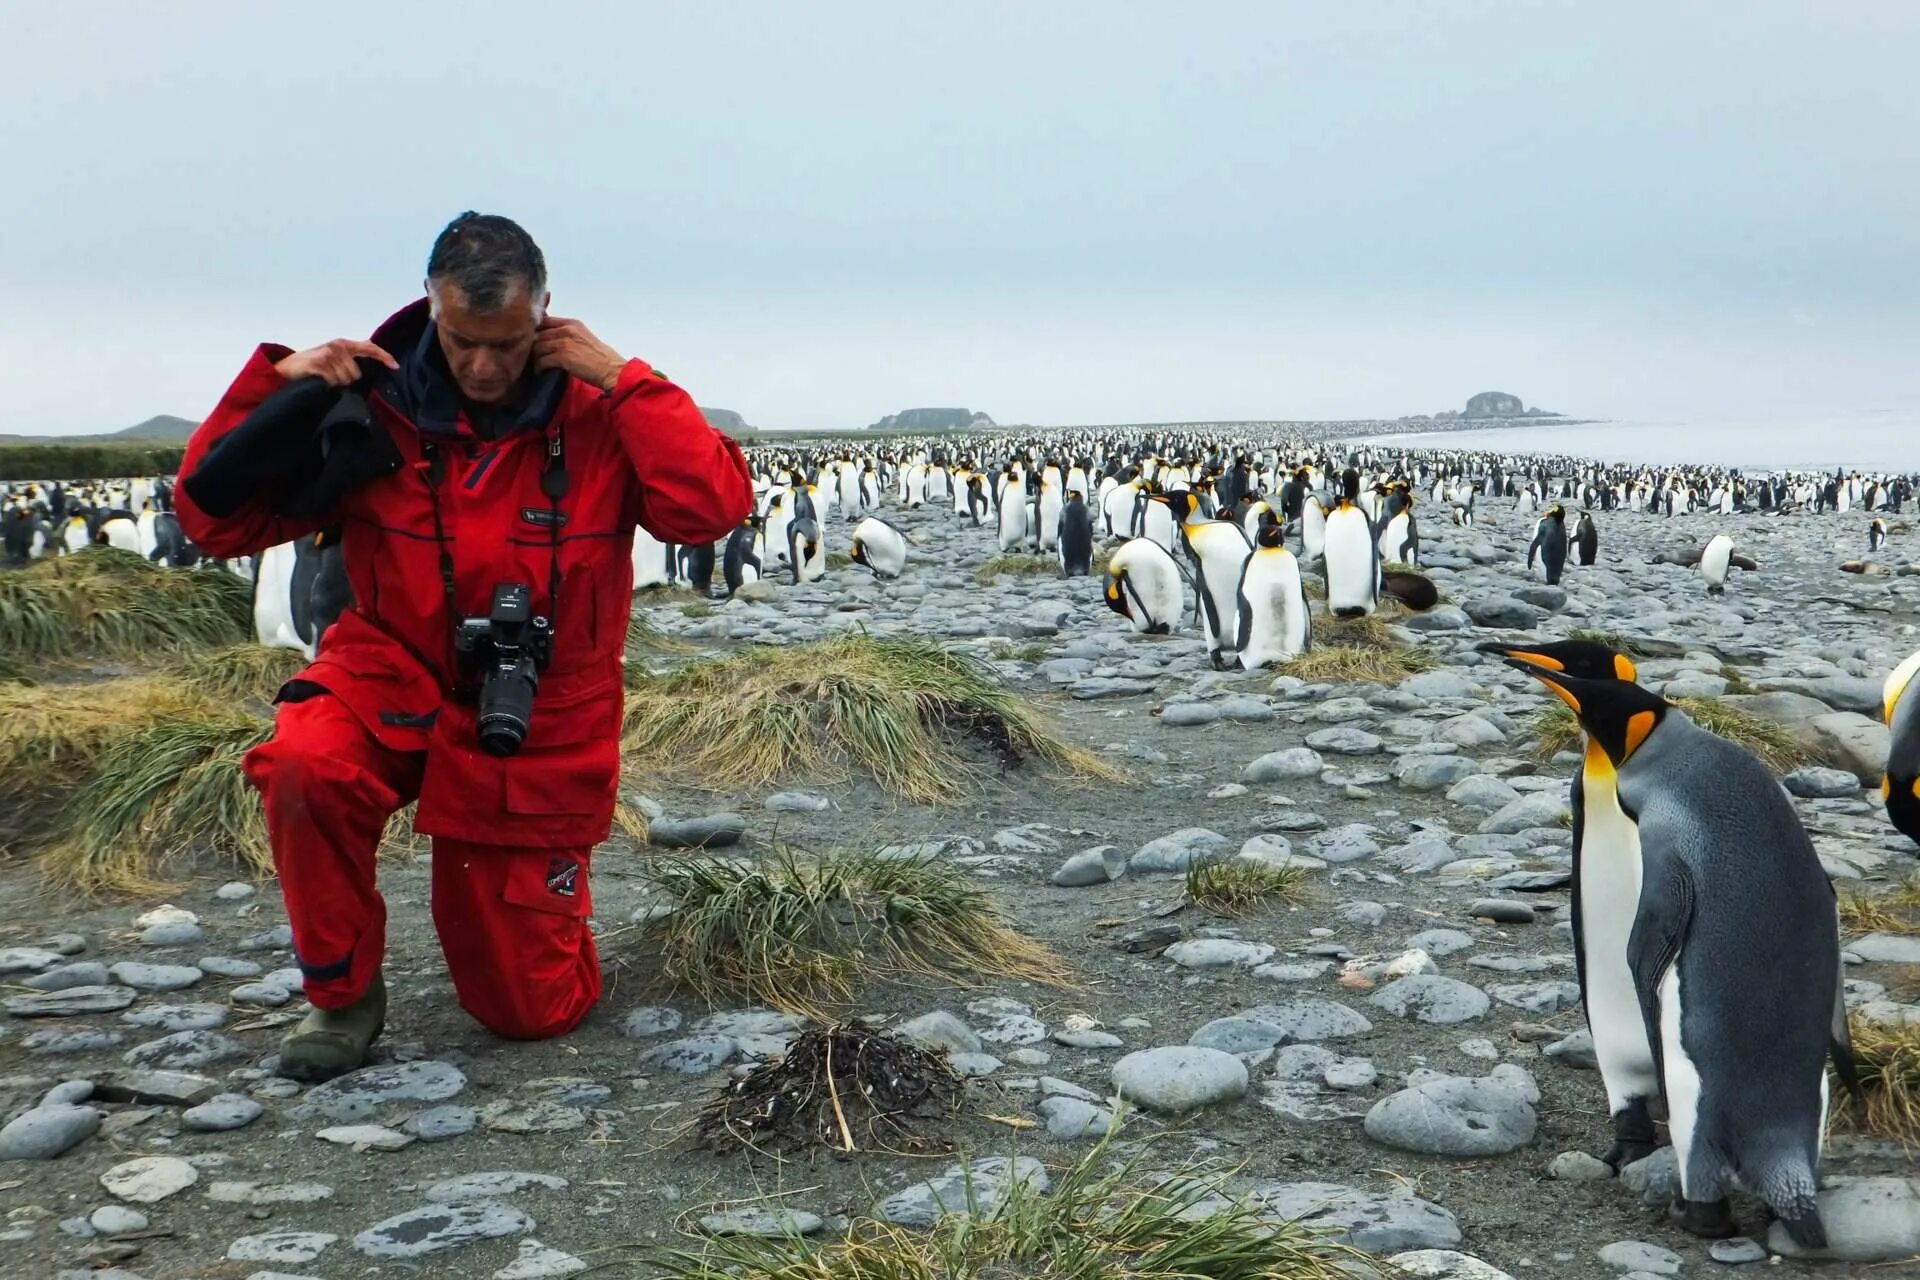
1887	1057
239	672
644	634
1230	887
803	934
832	1084
1558	729
1101	1220
159	793
888	704
1018	565
112	603
1893	912
1357	651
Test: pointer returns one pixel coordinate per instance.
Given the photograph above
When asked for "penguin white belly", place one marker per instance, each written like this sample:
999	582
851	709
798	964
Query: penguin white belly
1013	525
273	600
1048	519
1313	529
1222	551
649	560
1158	526
1682	1076
1610	875
1274	624
1351	563
1715	559
149	540
121	533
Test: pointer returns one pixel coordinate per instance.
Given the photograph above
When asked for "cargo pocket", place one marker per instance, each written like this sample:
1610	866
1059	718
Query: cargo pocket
552	883
570	762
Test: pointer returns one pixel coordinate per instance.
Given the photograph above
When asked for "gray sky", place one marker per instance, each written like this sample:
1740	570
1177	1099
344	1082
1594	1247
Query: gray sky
1055	212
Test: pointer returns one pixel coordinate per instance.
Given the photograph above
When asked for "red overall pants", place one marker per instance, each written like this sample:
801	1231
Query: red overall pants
512	923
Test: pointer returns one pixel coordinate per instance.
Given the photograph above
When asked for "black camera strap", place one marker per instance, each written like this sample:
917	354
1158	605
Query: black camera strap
554	483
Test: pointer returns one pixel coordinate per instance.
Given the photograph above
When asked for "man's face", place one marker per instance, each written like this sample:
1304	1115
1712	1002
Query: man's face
486	350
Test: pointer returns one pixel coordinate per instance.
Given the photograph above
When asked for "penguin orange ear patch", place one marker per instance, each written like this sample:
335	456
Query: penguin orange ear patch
1623	667
1639	725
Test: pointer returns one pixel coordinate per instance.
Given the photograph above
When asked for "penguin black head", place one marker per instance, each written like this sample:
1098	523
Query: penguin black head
1117	598
859	553
1582	659
1350	486
1618	715
1271	534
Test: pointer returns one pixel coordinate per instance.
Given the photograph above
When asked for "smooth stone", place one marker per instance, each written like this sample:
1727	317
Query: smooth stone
711	831
117	1219
1293	764
1433	999
1501	911
438	1124
499	1185
766	1222
172	933
1656	1180
164	1088
1867	1220
268	994
1175	1079
654	1020
27	960
1237	1035
177	1017
1503	612
150	1179
62	1042
288	1247
1091	867
1537	997
83	973
975	1066
1308	1019
1069	1118
796	802
1088	1039
68	1093
1344	844
1345	740
940	1030
1440	942
1552	599
366	1137
227	967
1538	810
1218	953
1375	1222
1483	793
1575	1050
1013	1029
234	891
278	938
47	1131
1736	1251
185	1050
977	1189
536	1261
1454	1116
1816	783
361	1094
1637	1255
1190	714
155	977
1442	617
1177	851
1430	686
1434	773
268	1193
1350	1074
1578	1166
1886	948
435	1228
509	1116
1445	1264
217	1115
72	1001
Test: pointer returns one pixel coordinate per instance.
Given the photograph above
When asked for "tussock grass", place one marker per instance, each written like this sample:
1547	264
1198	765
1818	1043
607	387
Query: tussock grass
1231	888
159	793
1559	730
1019	565
112	603
1887	1056
1102	1220
839	560
1357	651
803	934
887	704
1621	642
242	671
644	634
56	734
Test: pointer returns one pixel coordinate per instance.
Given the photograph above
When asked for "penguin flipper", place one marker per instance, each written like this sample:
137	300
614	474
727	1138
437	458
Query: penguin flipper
1666	911
1576	801
1840	1045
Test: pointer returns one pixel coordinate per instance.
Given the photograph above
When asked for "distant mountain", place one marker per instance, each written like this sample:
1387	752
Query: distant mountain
933	420
162	428
724	419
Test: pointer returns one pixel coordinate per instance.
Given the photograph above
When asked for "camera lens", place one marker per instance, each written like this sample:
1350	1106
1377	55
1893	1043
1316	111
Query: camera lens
506	706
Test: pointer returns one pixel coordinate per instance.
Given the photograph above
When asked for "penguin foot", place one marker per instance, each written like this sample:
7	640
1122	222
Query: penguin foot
1708	1219
1628	1151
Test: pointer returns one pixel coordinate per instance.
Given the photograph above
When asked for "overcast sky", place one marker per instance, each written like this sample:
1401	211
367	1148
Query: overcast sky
1057	213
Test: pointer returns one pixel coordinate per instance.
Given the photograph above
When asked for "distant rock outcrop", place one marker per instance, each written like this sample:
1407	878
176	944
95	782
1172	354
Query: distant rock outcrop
724	419
933	420
1494	404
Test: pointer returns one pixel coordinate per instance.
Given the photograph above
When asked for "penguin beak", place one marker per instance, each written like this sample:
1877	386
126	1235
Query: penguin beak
1549	678
1521	659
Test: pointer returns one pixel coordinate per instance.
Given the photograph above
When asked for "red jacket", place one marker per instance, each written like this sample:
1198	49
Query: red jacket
642	453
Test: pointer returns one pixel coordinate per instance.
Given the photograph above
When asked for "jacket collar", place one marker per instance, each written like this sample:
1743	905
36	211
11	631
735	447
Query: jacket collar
424	390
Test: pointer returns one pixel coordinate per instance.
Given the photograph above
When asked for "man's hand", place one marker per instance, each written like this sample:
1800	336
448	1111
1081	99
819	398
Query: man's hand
333	361
570	345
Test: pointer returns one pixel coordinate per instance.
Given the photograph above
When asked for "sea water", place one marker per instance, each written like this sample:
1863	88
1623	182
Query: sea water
1885	441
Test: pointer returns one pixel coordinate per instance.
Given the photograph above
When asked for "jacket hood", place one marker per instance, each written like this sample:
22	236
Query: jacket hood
424	390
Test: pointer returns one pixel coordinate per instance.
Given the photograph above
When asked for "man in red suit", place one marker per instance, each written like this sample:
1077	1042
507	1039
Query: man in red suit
482	466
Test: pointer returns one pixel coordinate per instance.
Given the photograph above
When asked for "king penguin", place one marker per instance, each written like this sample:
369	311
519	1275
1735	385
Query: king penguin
1586	538
1399	534
1352	560
1734	952
740	563
879	546
1013	520
1143	586
1901	786
1275	622
1076	536
1550	543
1714	560
1876	534
1218	550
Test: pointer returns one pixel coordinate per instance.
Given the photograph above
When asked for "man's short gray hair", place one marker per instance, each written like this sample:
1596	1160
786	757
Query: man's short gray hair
489	259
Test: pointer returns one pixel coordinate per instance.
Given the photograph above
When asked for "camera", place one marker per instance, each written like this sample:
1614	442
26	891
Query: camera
507	650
